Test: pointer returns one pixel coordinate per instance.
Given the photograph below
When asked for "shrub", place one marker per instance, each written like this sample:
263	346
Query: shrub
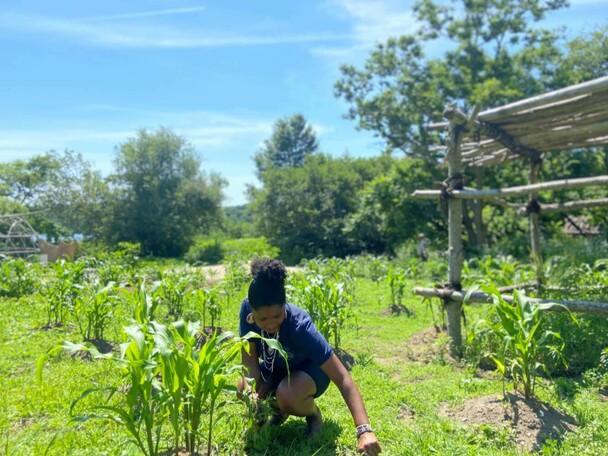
208	251
17	277
246	249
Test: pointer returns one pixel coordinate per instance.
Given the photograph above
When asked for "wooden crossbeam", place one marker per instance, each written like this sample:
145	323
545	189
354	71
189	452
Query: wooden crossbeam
516	191
593	307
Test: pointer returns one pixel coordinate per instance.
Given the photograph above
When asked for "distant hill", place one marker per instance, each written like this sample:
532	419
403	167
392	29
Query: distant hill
238	214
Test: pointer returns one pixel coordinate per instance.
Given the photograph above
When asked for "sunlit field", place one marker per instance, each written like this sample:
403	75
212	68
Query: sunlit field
96	396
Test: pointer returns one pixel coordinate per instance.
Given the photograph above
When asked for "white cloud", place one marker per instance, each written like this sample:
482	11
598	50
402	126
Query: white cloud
118	33
154	13
211	133
586	2
372	22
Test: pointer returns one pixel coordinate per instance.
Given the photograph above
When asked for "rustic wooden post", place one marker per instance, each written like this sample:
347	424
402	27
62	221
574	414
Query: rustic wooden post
455	254
534	210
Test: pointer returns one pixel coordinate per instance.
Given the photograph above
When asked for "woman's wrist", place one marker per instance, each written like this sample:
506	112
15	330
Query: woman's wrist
363	429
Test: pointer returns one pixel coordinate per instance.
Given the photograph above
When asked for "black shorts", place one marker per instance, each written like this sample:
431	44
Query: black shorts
316	373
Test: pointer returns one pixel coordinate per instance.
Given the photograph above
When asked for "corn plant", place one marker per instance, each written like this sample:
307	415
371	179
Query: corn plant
93	309
208	300
198	379
328	305
141	412
499	269
397	282
377	269
17	277
172	292
61	290
168	381
525	345
235	277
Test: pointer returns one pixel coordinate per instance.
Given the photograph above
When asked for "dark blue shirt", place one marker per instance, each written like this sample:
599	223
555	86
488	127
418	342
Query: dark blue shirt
297	334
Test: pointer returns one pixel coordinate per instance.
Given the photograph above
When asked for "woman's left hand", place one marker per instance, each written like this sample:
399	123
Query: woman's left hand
368	444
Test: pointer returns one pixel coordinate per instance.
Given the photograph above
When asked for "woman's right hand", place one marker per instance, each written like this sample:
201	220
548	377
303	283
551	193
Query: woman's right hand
368	444
262	389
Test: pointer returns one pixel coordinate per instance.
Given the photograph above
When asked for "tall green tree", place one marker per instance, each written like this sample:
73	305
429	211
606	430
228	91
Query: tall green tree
68	196
161	196
494	54
292	140
586	58
383	219
25	181
304	210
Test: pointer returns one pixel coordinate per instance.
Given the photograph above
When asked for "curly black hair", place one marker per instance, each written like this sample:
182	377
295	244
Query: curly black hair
268	285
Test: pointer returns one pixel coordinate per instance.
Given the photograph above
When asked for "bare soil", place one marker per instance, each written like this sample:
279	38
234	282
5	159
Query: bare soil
529	421
428	345
346	358
398	309
216	272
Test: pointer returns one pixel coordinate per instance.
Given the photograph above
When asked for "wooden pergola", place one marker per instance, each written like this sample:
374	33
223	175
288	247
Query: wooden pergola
571	118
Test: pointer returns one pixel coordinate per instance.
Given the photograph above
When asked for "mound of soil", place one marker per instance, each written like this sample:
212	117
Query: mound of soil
398	309
102	345
347	359
529	421
206	333
428	345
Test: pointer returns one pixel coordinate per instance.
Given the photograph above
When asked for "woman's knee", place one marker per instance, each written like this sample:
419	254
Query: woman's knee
290	393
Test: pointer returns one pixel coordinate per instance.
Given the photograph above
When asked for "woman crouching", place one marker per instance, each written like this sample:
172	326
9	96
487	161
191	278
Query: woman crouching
312	362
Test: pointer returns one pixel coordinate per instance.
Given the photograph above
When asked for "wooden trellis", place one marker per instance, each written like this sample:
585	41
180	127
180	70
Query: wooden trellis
17	237
570	118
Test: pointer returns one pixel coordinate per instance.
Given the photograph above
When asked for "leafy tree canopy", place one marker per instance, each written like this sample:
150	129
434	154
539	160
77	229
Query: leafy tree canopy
494	56
303	210
161	196
292	140
69	195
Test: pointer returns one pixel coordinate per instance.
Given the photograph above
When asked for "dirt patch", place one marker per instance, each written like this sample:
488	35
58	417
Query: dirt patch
396	310
205	334
529	421
429	345
346	358
406	414
103	346
216	272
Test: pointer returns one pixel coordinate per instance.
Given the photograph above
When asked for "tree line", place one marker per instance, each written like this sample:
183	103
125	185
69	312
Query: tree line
309	202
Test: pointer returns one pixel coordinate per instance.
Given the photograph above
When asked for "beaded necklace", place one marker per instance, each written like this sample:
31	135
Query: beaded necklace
269	354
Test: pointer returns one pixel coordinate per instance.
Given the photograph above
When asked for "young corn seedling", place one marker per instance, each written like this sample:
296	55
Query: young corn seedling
328	305
93	310
525	344
207	299
173	291
397	281
62	289
377	269
17	277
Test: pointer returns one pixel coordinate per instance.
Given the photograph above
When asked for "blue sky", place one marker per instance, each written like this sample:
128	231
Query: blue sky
86	75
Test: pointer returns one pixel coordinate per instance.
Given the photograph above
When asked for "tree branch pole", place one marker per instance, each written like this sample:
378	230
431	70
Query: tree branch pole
533	176
455	255
598	308
565	206
518	190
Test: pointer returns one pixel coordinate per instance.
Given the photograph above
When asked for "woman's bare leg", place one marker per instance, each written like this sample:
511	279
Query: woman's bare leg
296	397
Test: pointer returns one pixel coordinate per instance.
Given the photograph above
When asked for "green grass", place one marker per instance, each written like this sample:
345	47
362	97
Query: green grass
35	420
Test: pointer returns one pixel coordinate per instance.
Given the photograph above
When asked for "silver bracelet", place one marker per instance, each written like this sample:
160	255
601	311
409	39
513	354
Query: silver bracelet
362	429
